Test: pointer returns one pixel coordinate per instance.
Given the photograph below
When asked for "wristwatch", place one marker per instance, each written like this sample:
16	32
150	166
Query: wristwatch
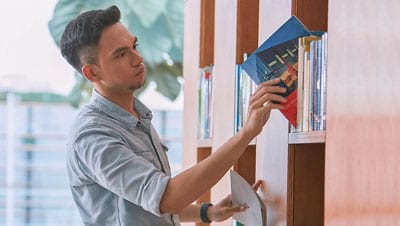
203	212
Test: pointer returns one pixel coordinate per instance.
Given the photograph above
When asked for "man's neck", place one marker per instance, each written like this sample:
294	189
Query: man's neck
125	101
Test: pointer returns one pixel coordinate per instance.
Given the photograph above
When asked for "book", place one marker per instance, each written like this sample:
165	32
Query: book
318	87
243	194
204	122
244	87
278	57
303	78
323	80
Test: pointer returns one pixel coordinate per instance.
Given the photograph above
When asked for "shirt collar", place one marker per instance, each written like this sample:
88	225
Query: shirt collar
115	111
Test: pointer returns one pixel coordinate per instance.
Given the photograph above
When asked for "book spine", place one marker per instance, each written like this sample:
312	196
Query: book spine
312	84
210	84
318	92
200	115
300	85
237	100
306	94
204	121
323	80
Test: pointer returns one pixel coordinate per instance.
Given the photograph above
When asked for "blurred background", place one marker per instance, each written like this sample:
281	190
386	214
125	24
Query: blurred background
40	95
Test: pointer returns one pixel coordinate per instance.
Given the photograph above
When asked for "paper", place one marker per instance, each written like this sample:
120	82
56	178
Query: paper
243	193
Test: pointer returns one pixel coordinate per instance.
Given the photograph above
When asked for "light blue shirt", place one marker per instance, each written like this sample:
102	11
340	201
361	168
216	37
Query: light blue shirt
117	166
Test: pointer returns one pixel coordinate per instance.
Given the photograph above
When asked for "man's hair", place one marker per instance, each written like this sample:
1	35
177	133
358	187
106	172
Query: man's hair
80	38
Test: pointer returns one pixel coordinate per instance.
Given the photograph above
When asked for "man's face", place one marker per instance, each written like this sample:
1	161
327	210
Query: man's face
120	64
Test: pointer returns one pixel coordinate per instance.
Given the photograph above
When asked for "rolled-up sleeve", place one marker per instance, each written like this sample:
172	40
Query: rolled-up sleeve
106	159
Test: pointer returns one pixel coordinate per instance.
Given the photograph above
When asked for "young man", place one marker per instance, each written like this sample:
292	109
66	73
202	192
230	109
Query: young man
118	168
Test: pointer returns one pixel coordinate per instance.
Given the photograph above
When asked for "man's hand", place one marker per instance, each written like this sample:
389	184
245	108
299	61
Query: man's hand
261	103
224	209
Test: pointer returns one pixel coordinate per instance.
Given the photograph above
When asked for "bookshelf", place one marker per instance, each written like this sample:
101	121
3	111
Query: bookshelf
207	24
292	164
198	53
307	137
362	148
346	175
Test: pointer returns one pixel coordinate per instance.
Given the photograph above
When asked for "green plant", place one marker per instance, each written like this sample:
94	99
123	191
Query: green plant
159	27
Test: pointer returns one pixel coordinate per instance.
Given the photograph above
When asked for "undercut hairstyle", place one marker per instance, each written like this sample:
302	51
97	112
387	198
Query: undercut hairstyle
81	36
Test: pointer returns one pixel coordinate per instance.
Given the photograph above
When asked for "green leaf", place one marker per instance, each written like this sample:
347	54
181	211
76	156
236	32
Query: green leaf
67	10
174	17
175	54
64	11
154	41
147	11
167	83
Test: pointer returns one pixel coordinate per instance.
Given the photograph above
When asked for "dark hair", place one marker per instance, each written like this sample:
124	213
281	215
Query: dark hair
80	38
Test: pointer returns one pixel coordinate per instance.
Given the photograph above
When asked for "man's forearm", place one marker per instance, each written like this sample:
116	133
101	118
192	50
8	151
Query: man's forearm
183	189
190	184
190	214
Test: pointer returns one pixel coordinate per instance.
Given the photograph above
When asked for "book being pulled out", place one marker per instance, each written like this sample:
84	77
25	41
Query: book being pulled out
243	194
278	57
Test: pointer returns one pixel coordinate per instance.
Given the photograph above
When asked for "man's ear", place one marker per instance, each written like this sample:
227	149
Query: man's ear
90	72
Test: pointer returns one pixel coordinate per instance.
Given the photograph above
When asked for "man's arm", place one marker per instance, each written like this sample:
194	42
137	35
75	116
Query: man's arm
187	186
190	214
221	211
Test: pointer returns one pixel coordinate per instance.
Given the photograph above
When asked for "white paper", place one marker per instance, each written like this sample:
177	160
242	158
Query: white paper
243	193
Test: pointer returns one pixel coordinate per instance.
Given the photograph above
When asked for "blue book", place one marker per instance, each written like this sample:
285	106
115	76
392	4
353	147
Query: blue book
277	57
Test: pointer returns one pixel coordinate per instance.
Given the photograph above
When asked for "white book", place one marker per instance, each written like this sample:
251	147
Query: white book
243	194
300	84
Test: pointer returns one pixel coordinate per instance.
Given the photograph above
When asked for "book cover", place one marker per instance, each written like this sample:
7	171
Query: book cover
278	57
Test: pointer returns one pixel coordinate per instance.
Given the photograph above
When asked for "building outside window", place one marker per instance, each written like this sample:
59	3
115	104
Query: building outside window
34	187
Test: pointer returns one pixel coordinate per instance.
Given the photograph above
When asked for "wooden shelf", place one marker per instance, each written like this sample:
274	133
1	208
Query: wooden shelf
310	180
204	143
307	137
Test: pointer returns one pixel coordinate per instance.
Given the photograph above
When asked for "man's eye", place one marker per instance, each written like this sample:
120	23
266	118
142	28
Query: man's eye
135	45
121	54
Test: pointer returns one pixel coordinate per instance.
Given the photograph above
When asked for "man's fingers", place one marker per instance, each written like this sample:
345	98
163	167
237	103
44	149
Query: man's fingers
268	84
227	201
266	92
257	185
271	82
236	209
267	89
267	98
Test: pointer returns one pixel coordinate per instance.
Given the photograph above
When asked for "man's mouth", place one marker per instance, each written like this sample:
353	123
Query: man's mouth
140	70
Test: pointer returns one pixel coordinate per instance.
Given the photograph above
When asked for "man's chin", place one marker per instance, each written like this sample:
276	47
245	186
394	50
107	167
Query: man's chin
137	86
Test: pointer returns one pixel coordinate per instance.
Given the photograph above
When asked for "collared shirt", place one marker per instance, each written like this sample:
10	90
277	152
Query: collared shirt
117	166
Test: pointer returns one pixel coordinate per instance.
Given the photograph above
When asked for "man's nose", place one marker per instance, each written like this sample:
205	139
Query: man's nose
136	58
